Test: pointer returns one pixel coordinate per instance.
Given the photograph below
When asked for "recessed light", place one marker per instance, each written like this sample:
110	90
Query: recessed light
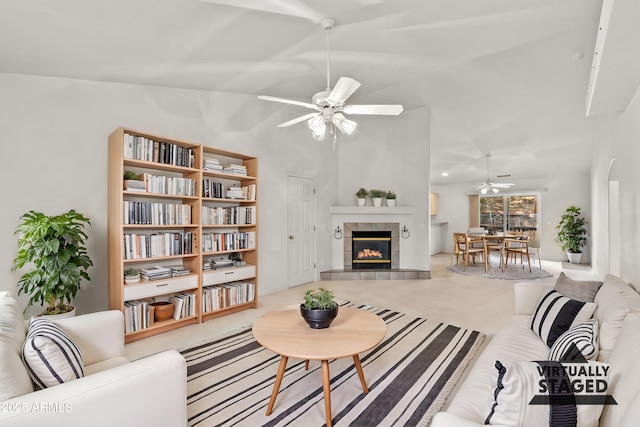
577	55
445	173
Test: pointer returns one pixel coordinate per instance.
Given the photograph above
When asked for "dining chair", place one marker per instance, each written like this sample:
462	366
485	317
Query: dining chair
466	245
516	247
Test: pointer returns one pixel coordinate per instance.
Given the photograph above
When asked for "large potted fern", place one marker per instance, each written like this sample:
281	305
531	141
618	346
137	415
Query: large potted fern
55	247
572	233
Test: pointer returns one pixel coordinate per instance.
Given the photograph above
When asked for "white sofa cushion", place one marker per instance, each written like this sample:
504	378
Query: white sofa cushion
623	383
614	299
583	337
554	385
473	398
14	379
556	314
50	355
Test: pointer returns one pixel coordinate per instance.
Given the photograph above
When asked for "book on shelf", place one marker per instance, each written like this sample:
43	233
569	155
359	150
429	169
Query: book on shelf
179	270
134	185
235	169
155	273
235	193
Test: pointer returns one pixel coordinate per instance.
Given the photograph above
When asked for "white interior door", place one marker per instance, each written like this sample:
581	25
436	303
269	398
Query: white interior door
301	219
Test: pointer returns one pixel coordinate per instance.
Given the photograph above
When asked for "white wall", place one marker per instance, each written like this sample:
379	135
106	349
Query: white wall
392	153
556	194
54	145
619	139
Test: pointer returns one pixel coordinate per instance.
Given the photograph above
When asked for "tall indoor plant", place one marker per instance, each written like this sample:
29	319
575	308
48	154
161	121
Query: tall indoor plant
55	246
572	233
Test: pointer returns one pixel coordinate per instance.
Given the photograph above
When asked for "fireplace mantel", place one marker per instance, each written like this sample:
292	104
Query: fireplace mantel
371	210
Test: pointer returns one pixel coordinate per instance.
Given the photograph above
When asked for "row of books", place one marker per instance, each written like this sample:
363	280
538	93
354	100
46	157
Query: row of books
140	246
161	184
218	242
138	314
229	215
227	295
144	213
143	148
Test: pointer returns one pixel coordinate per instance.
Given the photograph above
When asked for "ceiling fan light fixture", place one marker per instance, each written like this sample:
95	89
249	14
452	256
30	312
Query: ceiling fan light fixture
495	190
343	124
484	190
318	127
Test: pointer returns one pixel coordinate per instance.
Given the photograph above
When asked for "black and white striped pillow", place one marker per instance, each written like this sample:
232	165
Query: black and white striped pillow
50	355
585	339
556	314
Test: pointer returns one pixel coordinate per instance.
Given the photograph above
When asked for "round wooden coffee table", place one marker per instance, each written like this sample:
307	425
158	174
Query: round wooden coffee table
286	333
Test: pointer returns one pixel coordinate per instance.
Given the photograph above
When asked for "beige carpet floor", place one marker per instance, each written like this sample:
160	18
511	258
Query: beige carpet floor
465	301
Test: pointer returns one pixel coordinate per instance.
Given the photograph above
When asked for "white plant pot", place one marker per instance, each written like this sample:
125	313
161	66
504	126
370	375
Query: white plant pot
391	202
377	202
71	313
362	202
132	279
574	257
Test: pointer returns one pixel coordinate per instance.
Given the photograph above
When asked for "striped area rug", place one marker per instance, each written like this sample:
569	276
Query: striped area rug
410	374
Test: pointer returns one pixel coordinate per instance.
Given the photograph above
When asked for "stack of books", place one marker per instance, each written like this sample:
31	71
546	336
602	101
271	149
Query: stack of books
235	169
155	273
235	193
179	270
134	185
221	263
211	164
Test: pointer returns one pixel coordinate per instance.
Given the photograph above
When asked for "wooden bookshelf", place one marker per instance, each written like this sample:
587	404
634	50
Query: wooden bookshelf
132	238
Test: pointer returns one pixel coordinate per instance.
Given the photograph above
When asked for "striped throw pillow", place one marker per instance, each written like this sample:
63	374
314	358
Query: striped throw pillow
556	314
50	355
582	338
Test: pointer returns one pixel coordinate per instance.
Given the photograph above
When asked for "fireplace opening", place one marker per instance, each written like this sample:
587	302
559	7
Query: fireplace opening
371	249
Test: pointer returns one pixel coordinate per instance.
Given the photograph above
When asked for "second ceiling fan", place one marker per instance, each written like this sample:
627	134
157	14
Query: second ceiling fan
329	105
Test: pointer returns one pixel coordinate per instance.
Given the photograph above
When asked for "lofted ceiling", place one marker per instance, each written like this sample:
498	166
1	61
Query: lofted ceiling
499	76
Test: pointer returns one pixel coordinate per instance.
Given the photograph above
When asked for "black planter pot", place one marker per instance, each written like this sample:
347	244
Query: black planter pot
319	319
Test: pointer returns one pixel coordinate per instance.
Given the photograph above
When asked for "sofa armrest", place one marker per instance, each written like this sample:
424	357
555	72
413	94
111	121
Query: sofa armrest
147	392
445	419
527	295
99	335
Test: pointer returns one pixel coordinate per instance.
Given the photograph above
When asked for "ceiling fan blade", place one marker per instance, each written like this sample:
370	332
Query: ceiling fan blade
343	90
297	120
383	110
503	185
287	101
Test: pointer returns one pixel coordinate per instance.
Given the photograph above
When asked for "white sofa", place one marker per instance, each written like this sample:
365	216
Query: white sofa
114	392
618	314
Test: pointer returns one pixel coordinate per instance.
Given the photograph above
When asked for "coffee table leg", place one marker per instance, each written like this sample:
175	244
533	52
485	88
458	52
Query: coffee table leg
356	361
326	385
276	386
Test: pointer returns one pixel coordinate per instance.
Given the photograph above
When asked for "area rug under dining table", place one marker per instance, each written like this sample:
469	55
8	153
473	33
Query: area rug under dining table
410	375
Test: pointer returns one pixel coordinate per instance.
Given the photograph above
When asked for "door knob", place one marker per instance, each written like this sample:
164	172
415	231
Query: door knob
291	237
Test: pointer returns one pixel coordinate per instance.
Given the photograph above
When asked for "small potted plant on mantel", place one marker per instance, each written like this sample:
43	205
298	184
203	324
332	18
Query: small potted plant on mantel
55	247
362	194
391	198
319	309
572	233
377	196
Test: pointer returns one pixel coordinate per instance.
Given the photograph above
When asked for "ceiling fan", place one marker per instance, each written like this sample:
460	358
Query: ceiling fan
488	184
329	105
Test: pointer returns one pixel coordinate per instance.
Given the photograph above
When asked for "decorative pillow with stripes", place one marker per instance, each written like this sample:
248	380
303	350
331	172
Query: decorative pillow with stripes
582	339
547	393
50	355
556	314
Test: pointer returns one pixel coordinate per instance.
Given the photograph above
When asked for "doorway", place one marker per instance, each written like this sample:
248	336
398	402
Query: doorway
301	229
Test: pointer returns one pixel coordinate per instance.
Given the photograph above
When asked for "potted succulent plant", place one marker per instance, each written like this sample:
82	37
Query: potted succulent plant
236	257
55	246
319	309
362	194
377	196
391	198
572	233
131	275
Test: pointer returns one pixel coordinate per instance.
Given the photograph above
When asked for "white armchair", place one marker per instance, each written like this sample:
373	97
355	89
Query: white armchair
114	391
